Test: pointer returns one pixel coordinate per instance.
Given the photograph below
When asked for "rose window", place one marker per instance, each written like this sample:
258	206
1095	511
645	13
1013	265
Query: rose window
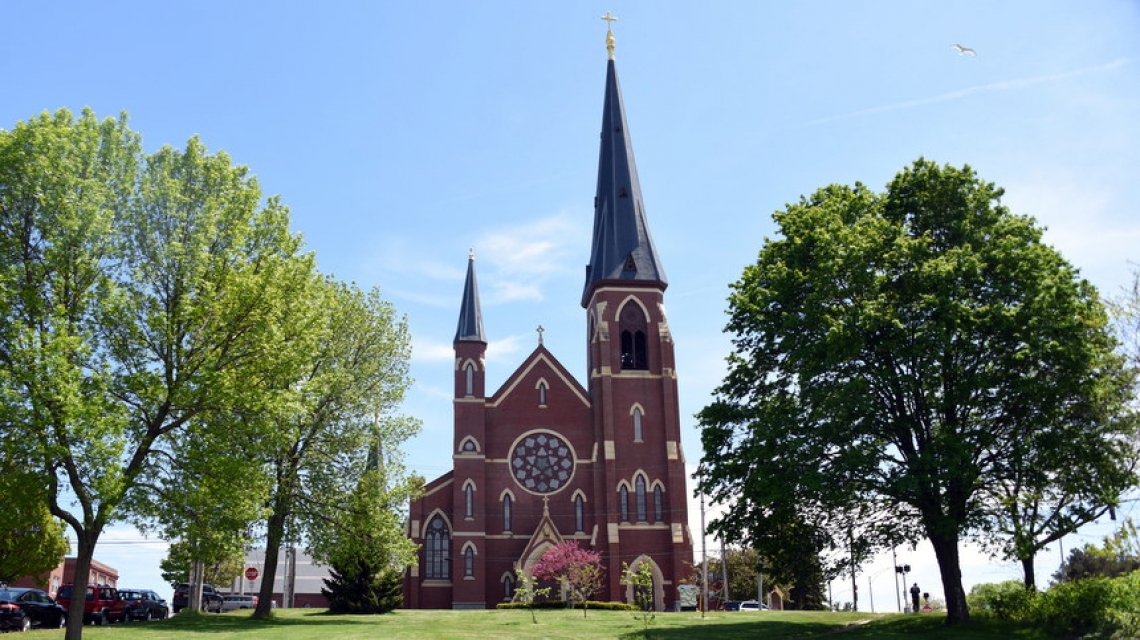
542	463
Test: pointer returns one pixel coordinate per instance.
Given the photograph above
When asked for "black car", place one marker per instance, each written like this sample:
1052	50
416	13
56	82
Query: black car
211	600
144	604
37	607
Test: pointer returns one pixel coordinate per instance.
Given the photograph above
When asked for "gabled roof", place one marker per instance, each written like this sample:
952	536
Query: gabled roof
470	327
545	534
622	247
539	356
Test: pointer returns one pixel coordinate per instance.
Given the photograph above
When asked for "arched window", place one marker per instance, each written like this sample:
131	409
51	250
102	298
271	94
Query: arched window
640	484
507	512
437	550
632	324
469	562
469	446
469	500
623	502
637	435
658	504
469	379
542	393
579	514
508	588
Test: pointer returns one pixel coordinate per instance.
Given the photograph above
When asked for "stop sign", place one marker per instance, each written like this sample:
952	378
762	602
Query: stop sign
251	573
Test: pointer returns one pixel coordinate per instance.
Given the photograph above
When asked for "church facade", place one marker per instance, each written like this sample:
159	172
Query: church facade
547	458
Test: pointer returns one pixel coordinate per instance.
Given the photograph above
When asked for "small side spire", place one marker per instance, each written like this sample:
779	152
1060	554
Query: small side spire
470	327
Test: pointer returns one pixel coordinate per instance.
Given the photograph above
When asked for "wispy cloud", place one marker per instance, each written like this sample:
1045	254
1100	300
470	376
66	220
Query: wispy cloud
514	263
431	351
437	393
1086	221
1005	85
523	258
499	350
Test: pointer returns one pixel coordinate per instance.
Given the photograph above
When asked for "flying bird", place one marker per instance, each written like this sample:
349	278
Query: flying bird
963	50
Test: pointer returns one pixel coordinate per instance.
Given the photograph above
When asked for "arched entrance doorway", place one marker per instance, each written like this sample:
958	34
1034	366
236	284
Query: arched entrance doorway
658	588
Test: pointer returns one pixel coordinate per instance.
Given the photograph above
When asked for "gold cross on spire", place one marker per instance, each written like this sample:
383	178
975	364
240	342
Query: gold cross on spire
609	18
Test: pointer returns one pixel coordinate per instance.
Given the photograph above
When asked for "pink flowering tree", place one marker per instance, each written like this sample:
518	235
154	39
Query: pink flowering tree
578	569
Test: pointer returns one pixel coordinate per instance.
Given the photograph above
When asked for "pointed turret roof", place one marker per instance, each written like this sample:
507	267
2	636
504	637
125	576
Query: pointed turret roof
470	327
623	247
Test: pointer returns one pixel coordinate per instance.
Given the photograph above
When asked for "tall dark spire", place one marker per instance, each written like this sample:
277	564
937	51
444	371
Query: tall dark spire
470	327
623	247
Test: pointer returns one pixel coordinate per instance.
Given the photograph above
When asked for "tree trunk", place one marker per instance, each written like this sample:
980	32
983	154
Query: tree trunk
1030	574
274	536
85	543
946	550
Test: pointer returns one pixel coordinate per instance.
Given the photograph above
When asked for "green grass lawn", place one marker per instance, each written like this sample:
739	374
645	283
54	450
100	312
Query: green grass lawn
313	624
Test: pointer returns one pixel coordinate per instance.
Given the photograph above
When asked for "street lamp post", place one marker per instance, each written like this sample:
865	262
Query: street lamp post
903	569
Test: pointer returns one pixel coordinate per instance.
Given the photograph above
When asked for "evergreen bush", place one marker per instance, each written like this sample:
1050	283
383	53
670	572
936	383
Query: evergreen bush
363	587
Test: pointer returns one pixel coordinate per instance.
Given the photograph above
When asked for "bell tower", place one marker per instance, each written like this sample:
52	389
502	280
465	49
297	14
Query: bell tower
470	488
640	479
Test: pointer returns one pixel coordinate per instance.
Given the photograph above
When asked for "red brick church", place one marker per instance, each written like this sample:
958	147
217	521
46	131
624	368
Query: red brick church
546	458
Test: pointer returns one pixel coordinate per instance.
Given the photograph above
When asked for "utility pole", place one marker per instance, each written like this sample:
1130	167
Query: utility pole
895	562
724	570
759	578
854	586
871	594
704	556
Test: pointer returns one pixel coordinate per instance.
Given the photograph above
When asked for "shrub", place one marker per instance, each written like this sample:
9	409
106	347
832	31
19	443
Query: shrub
561	604
1009	600
1074	608
1122	620
1093	607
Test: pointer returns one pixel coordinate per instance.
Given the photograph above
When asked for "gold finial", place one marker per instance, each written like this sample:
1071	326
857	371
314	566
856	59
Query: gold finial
471	254
540	330
609	18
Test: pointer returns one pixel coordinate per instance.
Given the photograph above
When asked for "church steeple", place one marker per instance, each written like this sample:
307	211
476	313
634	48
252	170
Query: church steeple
470	327
622	247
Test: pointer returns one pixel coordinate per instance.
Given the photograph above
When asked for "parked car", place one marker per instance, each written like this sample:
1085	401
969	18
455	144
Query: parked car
101	605
732	605
752	605
235	602
13	618
41	611
144	604
211	600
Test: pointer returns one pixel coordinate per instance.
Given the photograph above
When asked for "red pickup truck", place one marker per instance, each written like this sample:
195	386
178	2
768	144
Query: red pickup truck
101	606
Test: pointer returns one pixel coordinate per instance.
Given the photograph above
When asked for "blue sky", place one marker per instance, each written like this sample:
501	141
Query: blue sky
401	135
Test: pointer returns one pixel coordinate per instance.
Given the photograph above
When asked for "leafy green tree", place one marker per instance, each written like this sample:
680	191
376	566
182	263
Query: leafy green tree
209	496
890	351
137	294
528	592
223	570
32	542
801	578
1126	312
1117	555
1057	482
641	579
318	442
